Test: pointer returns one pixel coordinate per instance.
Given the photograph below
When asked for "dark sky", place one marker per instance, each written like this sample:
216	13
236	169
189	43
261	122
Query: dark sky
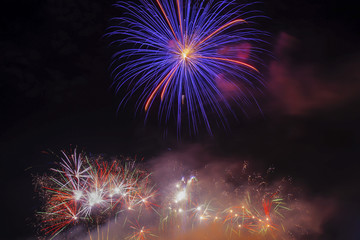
55	92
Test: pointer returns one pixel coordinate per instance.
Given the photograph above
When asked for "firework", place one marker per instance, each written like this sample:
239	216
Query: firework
91	191
184	54
83	190
195	204
140	233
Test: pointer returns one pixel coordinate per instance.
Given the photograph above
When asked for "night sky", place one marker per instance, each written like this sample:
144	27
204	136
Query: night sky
55	93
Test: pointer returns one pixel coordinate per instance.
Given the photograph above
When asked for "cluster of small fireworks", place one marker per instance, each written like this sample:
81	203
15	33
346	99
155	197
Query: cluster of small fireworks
193	204
89	191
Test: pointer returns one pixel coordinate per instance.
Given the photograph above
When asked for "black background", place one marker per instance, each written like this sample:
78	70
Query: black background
55	92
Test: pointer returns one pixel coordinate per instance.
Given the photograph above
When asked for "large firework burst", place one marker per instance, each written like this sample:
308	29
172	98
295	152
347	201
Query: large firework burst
186	54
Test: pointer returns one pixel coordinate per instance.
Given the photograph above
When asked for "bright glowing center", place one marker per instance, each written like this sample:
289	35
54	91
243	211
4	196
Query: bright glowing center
77	194
94	198
185	53
180	196
117	190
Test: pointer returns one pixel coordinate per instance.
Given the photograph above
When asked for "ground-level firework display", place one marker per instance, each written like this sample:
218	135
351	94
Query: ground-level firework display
194	204
93	193
90	191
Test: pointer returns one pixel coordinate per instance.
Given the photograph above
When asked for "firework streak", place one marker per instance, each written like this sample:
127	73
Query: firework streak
180	52
91	191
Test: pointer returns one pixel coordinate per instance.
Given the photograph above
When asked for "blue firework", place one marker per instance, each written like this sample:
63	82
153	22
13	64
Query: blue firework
176	56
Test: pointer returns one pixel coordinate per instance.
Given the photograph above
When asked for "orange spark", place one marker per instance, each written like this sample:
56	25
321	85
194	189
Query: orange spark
231	60
219	29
